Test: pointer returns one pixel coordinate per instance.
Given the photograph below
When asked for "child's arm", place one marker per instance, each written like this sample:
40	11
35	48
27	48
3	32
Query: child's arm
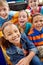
26	60
32	49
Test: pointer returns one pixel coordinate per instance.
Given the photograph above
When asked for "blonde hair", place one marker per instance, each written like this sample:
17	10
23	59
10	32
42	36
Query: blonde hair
3	3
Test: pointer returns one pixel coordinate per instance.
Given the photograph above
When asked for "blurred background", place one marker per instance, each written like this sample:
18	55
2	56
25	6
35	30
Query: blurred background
20	4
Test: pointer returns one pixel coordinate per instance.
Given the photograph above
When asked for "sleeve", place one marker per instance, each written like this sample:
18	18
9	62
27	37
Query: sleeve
30	35
28	26
1	21
29	44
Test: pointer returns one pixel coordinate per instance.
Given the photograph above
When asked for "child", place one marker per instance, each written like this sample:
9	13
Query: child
18	47
23	23
36	34
33	6
5	13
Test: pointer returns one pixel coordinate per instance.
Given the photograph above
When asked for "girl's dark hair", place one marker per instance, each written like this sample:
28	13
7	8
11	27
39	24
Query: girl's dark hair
5	43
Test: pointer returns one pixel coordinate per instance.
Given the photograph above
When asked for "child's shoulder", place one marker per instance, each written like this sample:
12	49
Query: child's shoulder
23	35
31	32
28	23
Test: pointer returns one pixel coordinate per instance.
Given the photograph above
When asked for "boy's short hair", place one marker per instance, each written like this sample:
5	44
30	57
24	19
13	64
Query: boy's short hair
35	15
3	3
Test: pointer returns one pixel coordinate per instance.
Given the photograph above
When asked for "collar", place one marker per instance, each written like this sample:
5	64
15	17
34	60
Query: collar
38	32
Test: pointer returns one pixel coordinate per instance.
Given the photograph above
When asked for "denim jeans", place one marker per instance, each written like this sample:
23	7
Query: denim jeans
36	61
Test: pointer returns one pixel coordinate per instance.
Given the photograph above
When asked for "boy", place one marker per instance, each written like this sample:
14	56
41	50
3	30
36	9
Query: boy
17	45
36	34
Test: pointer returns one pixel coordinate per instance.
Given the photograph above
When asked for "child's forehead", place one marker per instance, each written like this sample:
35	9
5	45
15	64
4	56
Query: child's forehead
38	16
22	13
32	0
2	7
11	26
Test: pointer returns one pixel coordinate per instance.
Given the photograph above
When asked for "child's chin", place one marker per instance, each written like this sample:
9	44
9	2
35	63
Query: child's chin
5	17
17	41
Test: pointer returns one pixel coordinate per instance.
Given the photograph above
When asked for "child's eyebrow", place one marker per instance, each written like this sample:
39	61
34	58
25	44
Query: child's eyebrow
9	32
37	14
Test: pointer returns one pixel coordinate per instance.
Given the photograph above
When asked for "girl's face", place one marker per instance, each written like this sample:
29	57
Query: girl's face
33	4
22	19
38	22
4	11
12	34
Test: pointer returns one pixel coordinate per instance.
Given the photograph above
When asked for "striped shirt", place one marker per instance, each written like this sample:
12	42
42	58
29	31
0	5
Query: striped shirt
36	37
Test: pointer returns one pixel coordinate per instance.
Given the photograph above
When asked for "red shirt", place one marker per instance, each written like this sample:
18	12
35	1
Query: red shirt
32	11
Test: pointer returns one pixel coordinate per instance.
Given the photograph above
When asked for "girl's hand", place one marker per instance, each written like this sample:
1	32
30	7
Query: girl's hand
23	61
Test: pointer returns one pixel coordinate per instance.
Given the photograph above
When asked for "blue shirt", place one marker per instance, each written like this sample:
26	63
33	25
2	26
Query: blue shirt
2	21
16	53
36	37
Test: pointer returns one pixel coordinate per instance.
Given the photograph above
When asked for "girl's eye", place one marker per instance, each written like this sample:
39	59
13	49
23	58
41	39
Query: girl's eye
9	34
36	21
4	9
15	31
41	20
34	0
24	16
30	1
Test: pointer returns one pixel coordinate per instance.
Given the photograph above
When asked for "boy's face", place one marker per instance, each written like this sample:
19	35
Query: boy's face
22	19
12	34
33	4
38	22
4	11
